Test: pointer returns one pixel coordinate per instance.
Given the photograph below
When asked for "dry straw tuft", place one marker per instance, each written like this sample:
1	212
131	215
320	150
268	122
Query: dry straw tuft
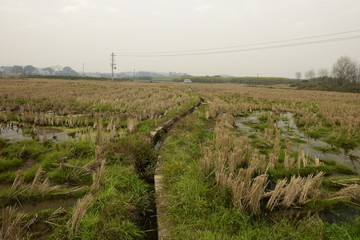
12	225
79	212
296	192
351	192
256	192
131	124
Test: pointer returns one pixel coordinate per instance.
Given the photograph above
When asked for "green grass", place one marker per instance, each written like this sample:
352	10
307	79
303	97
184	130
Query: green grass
27	149
114	213
333	168
7	177
79	149
70	176
6	164
11	196
327	149
343	141
317	133
199	210
298	140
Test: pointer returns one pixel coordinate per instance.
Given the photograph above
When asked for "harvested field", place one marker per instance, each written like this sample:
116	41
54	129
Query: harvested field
78	158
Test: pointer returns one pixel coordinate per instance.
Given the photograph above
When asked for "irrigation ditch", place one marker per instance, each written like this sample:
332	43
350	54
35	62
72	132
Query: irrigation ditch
154	221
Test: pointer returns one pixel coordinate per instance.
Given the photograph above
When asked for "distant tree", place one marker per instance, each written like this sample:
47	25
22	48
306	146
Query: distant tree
323	73
344	70
17	69
48	71
68	71
310	74
298	75
30	70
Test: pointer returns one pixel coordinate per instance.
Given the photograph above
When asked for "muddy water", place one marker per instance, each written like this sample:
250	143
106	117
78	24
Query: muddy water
247	130
340	215
31	208
342	157
290	130
14	133
51	204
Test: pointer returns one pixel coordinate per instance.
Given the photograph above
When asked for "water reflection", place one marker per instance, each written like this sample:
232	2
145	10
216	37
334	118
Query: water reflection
290	130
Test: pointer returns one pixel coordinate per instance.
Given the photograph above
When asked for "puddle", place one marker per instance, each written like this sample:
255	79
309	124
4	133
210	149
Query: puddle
290	130
339	215
13	132
247	130
56	135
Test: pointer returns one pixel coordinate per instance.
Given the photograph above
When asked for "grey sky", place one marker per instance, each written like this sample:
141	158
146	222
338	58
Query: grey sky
71	32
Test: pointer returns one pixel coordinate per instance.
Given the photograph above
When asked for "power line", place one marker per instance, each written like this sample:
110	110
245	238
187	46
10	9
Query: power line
194	52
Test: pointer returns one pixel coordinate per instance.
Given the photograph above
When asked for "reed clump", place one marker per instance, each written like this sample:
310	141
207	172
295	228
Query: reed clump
239	167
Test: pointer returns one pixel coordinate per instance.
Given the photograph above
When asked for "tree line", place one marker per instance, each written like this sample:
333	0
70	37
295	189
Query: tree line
345	71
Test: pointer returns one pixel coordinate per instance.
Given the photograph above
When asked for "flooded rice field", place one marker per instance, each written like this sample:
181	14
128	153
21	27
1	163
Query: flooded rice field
312	147
15	132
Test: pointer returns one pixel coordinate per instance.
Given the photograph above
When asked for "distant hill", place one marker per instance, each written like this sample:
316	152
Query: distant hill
30	70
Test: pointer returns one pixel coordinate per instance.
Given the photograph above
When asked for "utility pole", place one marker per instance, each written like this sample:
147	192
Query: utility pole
113	65
134	74
83	69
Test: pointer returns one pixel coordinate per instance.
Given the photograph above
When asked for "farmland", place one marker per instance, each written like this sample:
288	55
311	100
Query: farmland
78	160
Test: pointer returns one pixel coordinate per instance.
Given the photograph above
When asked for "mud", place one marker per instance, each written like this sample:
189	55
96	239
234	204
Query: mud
31	208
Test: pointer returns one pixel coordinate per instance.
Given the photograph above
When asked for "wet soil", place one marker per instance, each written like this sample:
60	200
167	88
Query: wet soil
31	208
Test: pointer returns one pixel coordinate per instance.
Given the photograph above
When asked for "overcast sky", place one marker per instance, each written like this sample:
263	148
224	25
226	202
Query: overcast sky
72	32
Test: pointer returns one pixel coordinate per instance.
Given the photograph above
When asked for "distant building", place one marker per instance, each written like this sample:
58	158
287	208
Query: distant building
187	80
